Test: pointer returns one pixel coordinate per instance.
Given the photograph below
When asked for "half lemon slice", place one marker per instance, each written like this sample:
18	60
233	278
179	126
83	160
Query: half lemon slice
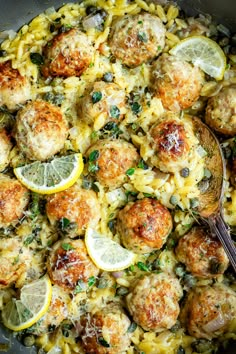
203	52
34	302
51	177
107	254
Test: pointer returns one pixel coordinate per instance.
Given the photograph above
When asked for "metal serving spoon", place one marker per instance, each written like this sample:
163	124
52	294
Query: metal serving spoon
210	200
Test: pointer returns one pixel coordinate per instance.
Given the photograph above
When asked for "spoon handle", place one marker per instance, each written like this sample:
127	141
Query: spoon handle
219	227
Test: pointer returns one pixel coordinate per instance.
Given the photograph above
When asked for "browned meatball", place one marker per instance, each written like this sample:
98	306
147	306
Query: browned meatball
108	325
69	265
14	198
68	54
153	302
221	111
5	148
202	254
106	102
15	89
79	206
176	82
144	225
113	159
171	142
209	311
41	130
137	39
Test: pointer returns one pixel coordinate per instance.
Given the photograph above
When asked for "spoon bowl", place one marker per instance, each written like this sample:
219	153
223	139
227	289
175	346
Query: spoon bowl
210	199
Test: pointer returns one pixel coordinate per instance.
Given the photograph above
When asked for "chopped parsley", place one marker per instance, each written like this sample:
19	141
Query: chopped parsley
67	246
93	166
142	165
36	58
103	342
130	171
94	155
63	223
91	281
143	266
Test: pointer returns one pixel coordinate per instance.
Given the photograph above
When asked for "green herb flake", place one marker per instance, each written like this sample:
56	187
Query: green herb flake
91	281
142	266
142	37
28	240
130	171
142	165
94	155
96	96
64	223
36	58
103	342
114	112
67	246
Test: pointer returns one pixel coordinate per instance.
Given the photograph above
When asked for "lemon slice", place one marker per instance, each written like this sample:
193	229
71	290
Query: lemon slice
202	52
34	302
51	177
107	254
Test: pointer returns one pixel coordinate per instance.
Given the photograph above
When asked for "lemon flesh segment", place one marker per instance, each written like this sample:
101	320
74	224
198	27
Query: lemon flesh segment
107	254
35	298
51	177
203	52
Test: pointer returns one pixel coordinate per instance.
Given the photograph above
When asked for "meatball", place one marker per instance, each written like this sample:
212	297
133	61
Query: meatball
108	326
202	254
221	111
15	89
110	159
69	265
57	312
144	225
41	130
5	148
209	311
137	39
68	54
106	102
171	140
153	302
14	198
176	82
79	206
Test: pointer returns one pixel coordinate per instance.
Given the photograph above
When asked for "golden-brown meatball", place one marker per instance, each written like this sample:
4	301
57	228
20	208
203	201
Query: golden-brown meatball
209	311
15	89
137	39
153	302
41	130
144	225
202	254
108	326
221	111
57	312
68	54
69	265
106	102
113	159
79	206
171	141
14	198
176	82
5	148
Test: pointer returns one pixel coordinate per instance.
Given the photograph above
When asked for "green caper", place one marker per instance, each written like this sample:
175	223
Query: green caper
121	291
189	280
184	172
202	345
29	341
180	270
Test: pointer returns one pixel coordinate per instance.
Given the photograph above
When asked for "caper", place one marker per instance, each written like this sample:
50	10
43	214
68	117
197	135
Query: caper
102	284
181	350
194	202
207	173
189	280
176	327
3	53
29	341
184	172
180	270
91	10
174	200
203	185
108	77
201	345
121	291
